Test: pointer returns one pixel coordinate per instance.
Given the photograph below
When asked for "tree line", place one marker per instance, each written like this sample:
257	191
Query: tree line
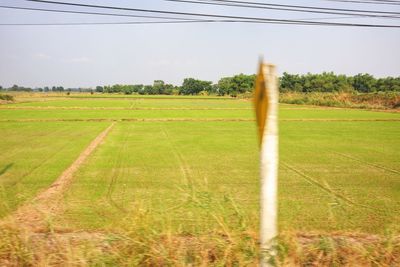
17	88
232	86
244	84
330	82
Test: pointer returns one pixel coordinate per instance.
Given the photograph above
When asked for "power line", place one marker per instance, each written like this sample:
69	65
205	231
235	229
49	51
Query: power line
124	15
234	20
262	6
91	13
175	19
142	22
103	23
253	3
148	22
377	2
290	6
303	22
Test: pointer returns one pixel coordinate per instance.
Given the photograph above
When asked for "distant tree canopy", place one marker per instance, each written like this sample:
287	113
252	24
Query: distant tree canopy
330	82
237	84
242	83
192	86
57	89
19	88
158	88
226	86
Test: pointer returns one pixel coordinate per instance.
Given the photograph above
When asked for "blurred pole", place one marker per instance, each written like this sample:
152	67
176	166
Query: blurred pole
267	117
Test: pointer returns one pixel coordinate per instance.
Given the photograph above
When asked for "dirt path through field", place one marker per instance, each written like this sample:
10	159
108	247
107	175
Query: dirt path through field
37	214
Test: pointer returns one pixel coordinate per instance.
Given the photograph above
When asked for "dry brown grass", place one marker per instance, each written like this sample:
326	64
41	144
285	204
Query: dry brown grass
340	249
144	248
379	100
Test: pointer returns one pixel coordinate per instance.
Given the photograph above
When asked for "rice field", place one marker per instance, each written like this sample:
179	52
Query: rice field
187	166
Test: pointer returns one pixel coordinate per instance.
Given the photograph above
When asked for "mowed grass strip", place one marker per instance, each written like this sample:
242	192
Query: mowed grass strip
191	176
33	155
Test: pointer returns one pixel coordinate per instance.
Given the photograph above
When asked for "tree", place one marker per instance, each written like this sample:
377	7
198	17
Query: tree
149	90
242	83
237	84
364	83
107	89
158	87
192	86
169	89
289	82
224	86
20	88
137	88
127	89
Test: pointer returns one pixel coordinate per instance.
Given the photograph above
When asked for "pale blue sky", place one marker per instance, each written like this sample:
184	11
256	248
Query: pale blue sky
83	56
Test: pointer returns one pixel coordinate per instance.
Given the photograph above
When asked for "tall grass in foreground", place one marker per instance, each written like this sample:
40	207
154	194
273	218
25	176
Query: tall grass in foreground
143	247
144	239
378	100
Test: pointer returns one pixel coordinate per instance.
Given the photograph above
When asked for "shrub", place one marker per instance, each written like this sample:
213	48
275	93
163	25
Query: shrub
6	97
376	100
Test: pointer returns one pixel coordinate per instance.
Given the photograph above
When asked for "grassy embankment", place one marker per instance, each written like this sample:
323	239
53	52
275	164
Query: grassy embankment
379	100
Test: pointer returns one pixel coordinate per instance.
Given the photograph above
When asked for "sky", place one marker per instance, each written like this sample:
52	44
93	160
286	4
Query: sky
91	55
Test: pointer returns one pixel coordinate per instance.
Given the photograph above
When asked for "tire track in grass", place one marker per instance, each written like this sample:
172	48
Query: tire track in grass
368	163
327	188
117	173
185	169
36	215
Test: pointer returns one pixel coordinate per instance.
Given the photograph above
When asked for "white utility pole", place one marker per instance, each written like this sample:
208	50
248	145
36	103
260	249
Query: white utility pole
266	104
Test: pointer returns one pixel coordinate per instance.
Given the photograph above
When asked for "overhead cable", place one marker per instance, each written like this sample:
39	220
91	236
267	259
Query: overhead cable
258	6
236	18
286	6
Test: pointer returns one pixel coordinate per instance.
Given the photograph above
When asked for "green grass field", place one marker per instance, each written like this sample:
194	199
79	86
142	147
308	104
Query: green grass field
339	168
33	155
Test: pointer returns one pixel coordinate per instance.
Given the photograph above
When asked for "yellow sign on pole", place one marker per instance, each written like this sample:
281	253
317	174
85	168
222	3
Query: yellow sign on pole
261	100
